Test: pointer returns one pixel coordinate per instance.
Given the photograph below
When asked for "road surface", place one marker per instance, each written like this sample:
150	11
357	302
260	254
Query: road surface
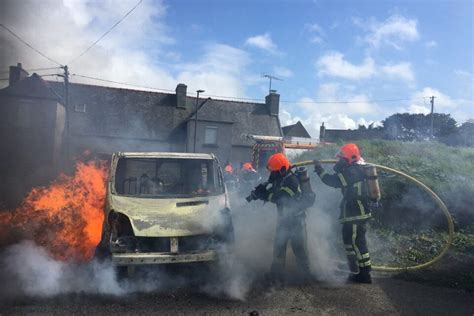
386	296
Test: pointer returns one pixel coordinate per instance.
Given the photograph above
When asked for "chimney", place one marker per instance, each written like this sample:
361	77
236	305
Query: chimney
322	132
17	73
181	95
273	102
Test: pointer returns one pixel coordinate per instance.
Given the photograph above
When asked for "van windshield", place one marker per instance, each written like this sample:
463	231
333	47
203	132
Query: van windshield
167	177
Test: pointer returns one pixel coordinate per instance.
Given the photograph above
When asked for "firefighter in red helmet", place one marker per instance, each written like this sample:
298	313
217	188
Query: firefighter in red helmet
349	176
283	189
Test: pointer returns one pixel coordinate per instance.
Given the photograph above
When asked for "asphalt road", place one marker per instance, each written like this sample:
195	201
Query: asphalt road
255	230
386	296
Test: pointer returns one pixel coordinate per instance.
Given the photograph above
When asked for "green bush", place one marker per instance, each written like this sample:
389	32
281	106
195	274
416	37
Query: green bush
448	171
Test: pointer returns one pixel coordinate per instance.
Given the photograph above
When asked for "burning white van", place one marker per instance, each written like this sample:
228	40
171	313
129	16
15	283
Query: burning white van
165	208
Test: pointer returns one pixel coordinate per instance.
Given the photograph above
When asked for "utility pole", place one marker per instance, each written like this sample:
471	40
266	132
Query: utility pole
432	116
271	77
66	107
196	119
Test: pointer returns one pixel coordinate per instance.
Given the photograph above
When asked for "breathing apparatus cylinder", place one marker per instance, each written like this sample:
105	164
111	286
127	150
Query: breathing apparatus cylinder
307	194
373	187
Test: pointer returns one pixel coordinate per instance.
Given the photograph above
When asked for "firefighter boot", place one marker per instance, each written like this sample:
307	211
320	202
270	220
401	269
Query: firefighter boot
362	277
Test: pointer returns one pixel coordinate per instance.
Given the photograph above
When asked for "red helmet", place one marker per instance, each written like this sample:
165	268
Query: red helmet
278	161
228	168
248	166
350	152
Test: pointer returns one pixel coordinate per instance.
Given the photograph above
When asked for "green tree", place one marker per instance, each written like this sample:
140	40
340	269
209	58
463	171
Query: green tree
411	127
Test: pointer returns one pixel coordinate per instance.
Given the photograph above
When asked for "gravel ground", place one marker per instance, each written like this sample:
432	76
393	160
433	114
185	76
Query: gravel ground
385	296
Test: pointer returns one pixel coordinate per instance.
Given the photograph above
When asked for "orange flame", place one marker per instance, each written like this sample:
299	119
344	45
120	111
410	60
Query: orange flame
65	217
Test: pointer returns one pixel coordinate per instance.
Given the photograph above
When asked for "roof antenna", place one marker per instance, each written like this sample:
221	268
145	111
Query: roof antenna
271	77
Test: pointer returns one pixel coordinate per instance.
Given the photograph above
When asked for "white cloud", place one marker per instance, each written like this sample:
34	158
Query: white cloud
459	108
218	72
315	28
393	31
338	115
443	102
431	44
316	40
127	53
263	41
334	64
416	109
464	74
139	51
401	70
317	33
354	104
283	72
287	119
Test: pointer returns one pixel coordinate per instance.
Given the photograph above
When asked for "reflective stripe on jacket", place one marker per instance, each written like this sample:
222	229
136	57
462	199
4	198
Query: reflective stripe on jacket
285	194
351	181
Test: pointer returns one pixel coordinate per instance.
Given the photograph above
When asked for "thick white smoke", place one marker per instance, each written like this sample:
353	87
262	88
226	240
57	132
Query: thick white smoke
29	270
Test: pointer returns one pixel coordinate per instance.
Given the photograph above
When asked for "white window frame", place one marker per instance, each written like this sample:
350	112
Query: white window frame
214	128
80	108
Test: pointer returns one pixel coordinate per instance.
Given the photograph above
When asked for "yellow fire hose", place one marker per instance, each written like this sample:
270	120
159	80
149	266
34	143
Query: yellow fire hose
433	196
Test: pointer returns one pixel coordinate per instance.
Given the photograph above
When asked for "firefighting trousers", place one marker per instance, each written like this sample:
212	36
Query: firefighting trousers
294	231
353	235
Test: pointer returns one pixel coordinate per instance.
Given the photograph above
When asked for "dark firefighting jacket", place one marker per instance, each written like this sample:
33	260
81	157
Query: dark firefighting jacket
285	193
351	180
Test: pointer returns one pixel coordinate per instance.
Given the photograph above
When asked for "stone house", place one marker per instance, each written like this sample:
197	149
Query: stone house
105	119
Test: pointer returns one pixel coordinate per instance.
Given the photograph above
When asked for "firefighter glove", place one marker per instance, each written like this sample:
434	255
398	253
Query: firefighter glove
261	192
318	168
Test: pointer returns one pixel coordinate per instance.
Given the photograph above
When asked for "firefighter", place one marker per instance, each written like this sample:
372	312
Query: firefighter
248	172
349	176
228	172
283	189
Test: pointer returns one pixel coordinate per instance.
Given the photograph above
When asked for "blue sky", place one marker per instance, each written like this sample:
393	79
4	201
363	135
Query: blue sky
356	51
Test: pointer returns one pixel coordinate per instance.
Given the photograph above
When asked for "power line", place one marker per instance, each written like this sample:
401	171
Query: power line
49	75
123	83
349	102
158	89
27	44
107	32
233	98
248	99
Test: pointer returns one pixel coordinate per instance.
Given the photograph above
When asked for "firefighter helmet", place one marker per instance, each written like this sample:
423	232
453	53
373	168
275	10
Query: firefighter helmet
350	152
228	168
278	161
248	166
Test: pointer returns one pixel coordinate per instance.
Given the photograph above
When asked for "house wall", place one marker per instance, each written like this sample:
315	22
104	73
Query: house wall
109	144
107	120
223	149
241	154
30	145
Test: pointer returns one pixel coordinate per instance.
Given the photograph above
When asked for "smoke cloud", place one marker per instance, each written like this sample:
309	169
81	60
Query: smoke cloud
30	270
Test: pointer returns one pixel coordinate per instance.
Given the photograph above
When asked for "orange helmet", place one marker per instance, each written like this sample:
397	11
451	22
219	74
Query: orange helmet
278	161
248	166
350	152
228	168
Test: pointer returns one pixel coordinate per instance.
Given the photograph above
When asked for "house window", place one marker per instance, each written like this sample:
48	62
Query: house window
80	108
210	136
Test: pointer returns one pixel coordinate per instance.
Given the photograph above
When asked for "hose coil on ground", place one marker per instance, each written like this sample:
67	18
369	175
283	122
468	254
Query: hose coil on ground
433	195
